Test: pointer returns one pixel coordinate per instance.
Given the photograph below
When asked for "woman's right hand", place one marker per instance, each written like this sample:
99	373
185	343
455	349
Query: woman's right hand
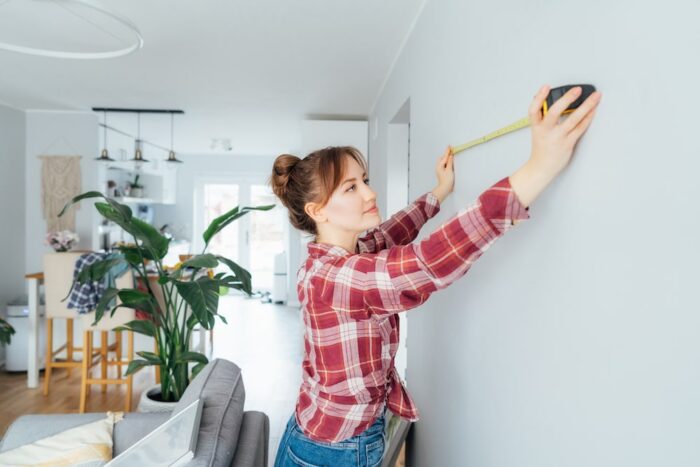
553	142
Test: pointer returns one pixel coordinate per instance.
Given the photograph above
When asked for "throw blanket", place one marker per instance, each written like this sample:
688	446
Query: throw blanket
85	297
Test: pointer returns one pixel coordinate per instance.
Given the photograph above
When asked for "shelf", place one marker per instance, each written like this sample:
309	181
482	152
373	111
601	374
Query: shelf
130	200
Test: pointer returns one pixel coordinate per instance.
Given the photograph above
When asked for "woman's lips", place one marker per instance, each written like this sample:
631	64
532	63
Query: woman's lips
373	210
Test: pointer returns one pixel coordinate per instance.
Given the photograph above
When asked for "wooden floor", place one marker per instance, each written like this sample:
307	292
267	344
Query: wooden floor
64	396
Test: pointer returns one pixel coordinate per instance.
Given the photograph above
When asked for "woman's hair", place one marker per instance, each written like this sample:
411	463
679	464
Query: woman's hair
310	180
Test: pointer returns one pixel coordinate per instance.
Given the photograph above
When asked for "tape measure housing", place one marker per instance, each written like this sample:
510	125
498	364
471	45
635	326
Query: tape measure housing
556	93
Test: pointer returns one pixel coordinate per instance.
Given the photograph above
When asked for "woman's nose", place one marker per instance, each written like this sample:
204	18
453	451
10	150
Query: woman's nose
369	194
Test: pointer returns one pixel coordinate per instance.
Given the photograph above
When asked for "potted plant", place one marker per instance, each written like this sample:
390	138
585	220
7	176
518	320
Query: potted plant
6	332
190	292
135	188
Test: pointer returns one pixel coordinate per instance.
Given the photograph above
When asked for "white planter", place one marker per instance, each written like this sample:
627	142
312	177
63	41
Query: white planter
146	404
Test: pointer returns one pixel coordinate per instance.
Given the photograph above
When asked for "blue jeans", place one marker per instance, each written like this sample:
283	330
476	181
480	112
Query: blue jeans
363	450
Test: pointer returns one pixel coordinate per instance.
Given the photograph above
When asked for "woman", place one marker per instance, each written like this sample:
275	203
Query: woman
351	287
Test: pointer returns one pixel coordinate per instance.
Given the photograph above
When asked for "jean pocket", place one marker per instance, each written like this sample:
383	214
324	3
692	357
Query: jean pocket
298	461
375	453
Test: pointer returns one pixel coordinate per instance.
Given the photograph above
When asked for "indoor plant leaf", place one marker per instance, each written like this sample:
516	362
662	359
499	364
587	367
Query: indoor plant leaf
225	219
202	296
240	273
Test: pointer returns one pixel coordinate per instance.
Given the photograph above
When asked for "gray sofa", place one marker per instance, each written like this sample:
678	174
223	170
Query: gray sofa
228	436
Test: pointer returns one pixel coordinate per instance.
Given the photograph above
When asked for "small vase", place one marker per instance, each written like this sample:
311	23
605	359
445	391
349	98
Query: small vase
147	404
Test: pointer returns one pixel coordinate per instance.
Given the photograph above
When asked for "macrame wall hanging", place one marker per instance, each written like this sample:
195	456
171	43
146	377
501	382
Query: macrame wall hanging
60	182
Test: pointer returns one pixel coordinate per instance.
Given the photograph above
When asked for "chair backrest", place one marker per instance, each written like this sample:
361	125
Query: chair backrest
58	277
121	316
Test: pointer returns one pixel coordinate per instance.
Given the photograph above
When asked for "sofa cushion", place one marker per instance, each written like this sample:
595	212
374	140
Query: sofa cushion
89	444
220	387
30	428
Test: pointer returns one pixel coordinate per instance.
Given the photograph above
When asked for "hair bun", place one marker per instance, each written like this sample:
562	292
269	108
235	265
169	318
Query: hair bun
281	171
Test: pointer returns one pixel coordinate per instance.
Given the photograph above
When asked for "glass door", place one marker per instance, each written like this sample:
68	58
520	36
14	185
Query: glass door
252	241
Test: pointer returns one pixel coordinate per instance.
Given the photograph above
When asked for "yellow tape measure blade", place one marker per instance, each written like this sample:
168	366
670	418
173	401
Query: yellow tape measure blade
522	123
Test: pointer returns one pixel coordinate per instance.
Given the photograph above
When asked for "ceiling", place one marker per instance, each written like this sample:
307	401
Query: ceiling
244	70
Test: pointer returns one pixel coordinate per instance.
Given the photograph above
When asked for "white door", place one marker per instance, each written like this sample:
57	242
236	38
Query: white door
254	239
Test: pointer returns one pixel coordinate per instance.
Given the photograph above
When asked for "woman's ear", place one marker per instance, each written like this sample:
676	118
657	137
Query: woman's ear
316	212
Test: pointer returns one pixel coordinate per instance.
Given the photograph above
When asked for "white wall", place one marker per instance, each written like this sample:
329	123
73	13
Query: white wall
12	127
574	340
63	134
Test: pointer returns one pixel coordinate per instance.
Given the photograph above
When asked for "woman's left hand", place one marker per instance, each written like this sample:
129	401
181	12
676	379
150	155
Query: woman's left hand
445	172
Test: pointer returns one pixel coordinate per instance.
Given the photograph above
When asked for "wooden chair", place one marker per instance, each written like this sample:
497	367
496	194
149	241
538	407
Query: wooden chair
58	277
101	356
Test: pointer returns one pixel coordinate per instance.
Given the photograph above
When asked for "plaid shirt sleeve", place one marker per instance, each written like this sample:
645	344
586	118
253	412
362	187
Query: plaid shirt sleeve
401	228
402	277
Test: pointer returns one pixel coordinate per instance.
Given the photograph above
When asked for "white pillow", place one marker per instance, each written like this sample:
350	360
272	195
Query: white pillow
85	445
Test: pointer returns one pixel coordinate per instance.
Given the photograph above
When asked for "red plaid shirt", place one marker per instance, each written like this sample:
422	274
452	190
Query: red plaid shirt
350	301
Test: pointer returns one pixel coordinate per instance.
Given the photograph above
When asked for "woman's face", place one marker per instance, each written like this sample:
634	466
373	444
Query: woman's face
352	206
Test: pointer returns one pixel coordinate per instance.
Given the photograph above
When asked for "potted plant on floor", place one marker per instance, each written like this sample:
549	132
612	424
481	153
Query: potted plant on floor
6	332
190	291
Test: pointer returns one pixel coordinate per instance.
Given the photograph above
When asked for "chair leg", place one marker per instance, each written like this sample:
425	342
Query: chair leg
87	358
49	352
69	344
90	351
103	358
118	350
129	379
155	349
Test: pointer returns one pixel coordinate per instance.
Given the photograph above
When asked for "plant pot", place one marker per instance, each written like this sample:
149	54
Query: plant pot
149	404
136	192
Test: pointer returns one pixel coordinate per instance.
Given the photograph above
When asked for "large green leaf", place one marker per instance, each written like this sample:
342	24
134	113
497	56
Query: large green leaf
141	326
97	270
105	301
136	365
123	210
240	274
202	295
6	332
206	260
138	299
150	237
153	358
192	357
225	219
133	254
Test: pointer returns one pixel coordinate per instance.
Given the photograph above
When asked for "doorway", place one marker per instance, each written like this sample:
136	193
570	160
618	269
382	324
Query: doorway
253	240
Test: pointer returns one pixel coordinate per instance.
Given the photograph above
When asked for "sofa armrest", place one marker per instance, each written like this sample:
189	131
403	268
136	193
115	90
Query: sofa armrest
253	441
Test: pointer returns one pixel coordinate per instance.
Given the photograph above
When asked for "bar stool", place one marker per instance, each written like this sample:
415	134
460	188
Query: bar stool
58	278
106	324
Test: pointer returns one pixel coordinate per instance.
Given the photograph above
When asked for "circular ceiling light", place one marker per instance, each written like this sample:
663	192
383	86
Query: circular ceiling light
74	24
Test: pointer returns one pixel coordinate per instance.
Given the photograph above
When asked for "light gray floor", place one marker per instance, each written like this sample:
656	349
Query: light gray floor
266	341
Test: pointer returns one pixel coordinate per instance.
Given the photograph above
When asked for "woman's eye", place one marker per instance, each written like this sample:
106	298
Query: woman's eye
366	180
352	188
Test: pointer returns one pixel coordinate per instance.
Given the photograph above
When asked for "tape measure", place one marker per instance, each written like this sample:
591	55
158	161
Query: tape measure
552	97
